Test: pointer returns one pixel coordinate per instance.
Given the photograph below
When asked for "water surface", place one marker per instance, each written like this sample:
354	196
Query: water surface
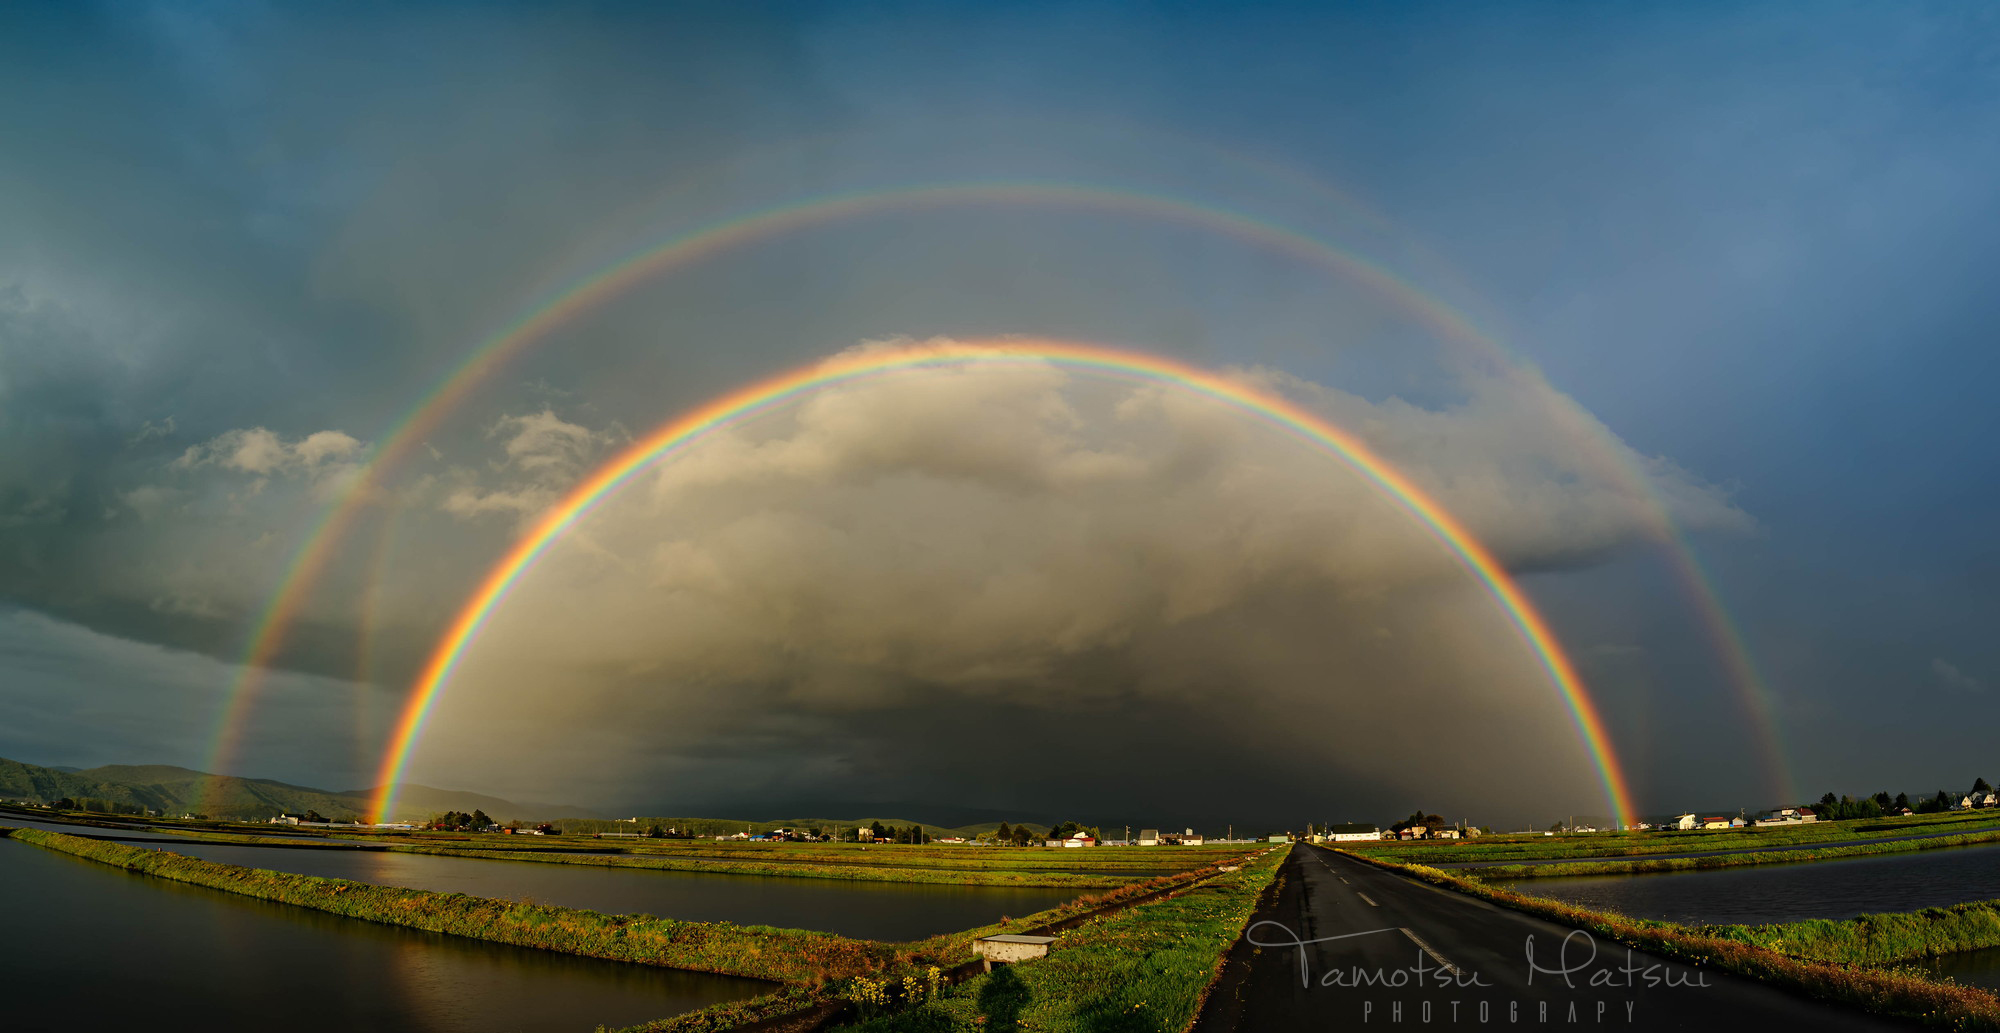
85	944
866	910
1758	894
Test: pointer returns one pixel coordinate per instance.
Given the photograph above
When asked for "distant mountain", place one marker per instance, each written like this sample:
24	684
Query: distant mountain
175	790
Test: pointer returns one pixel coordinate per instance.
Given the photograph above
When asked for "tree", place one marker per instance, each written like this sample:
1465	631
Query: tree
1902	800
875	827
1557	827
1979	786
1003	834
1829	801
480	820
1883	801
653	832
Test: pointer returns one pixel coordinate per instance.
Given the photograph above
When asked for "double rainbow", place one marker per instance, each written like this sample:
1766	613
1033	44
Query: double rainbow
680	434
590	293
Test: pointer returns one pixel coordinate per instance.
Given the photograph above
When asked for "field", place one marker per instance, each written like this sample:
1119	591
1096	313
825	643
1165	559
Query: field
960	865
1143	968
1633	852
808	968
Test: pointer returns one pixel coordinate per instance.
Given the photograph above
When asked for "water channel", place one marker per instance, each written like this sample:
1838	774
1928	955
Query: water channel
89	947
865	910
1758	894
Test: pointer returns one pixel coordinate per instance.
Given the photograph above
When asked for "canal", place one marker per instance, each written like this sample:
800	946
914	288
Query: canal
92	947
864	910
1758	894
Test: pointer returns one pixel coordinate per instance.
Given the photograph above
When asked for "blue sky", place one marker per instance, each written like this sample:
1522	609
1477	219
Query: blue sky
1750	240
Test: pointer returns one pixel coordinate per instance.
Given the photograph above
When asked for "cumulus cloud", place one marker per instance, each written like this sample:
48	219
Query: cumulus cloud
541	453
1028	542
256	450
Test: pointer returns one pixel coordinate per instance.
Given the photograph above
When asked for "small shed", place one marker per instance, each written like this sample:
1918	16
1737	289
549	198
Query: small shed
1006	947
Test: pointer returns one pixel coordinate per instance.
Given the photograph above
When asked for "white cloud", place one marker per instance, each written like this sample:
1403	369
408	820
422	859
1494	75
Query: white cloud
259	451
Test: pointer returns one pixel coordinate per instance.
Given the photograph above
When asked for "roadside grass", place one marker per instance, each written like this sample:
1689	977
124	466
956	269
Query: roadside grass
1879	939
1898	994
1145	968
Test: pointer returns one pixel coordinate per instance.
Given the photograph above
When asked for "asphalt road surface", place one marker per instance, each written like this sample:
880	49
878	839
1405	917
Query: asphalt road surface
1351	946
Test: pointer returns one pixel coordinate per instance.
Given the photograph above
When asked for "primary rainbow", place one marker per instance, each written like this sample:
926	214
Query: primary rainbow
760	397
588	294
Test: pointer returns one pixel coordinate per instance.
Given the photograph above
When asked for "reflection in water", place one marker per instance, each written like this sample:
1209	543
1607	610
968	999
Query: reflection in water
87	940
1972	968
1789	892
868	910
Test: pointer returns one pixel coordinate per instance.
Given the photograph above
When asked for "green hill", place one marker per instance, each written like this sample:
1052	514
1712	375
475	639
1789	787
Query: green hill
176	790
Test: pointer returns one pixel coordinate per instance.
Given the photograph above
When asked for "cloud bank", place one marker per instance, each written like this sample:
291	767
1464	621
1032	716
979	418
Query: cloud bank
898	567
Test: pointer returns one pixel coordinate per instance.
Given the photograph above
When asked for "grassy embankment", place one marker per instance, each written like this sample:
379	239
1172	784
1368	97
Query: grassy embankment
1897	994
1877	940
1630	853
1147	967
812	966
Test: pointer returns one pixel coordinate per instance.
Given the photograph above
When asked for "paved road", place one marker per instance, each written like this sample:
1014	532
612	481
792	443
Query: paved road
1354	945
1708	853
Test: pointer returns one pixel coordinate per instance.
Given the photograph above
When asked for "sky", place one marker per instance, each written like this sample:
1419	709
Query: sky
1572	270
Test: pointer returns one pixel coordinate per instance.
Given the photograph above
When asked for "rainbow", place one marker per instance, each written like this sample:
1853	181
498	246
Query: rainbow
268	631
679	434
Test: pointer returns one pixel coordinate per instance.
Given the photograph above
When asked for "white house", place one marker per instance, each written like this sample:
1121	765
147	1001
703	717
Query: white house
1685	822
1352	833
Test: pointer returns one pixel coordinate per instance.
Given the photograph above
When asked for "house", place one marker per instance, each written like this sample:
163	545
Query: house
950	839
1445	834
1352	833
1149	837
286	819
1686	822
1080	839
1716	823
1187	838
1806	814
1901	812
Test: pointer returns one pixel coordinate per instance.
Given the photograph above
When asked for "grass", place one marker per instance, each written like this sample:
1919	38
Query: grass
1145	968
1896	994
1880	939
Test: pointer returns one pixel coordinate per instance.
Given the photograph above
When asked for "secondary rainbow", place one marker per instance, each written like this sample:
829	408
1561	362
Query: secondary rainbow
319	544
678	434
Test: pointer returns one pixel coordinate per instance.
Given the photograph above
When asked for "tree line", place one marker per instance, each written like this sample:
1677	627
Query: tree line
1844	807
